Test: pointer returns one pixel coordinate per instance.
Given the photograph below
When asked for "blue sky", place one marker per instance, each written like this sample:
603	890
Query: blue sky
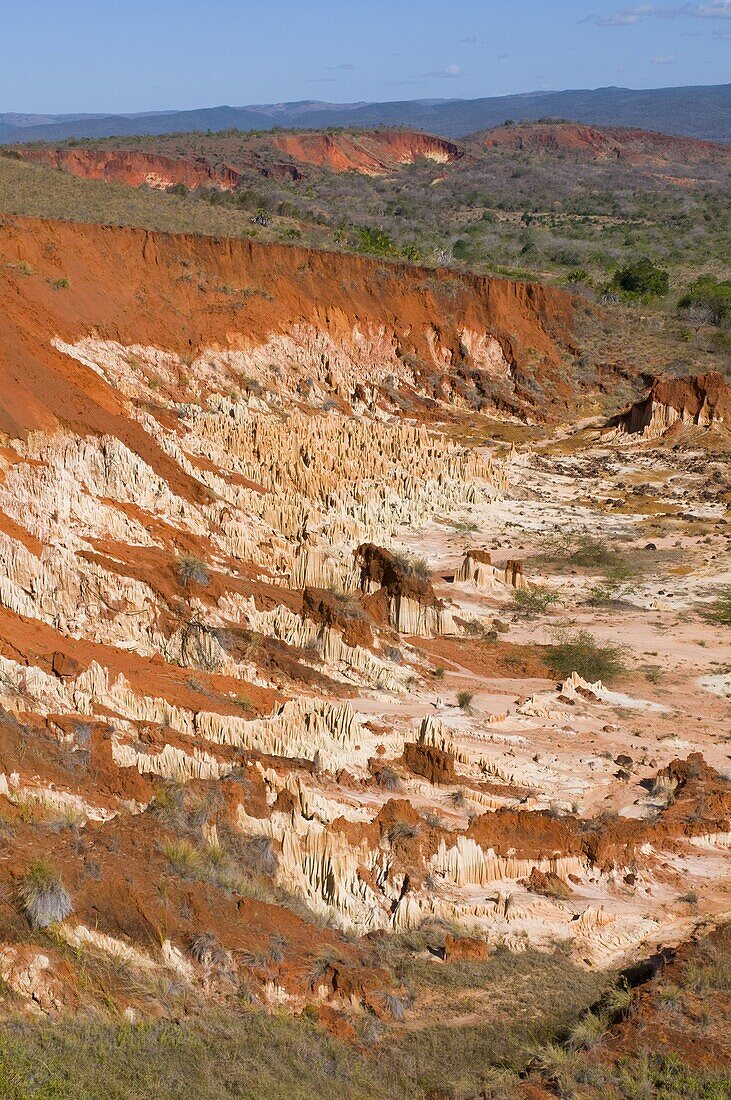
142	55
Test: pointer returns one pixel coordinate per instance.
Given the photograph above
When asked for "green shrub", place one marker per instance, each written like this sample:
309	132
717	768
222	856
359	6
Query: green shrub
709	970
376	242
578	275
603	595
580	652
591	551
464	699
588	1032
711	298
642	279
533	601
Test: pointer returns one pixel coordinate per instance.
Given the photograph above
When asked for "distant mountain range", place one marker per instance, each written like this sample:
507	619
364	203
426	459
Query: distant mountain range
702	111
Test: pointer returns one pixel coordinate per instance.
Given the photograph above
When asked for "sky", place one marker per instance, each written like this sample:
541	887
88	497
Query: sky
65	56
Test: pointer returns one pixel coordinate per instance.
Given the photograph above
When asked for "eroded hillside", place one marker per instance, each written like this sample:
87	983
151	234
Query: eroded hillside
296	659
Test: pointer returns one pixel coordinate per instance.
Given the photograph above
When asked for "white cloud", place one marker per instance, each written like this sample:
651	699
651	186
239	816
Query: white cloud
665	59
447	73
619	19
717	9
627	17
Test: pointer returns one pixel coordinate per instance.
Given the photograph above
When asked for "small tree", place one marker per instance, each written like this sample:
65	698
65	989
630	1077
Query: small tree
706	302
533	601
697	316
642	279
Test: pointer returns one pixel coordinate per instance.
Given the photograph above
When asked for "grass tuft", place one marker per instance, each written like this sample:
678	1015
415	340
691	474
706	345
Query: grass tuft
43	897
191	570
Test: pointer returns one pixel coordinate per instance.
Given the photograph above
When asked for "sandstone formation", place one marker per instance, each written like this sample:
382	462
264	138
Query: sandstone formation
643	148
699	401
250	685
133	168
372	153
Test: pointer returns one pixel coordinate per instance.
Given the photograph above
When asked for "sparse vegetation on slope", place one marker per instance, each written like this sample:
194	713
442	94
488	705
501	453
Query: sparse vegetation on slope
214	1054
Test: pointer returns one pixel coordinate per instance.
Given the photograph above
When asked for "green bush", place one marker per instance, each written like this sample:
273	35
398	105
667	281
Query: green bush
376	242
578	275
464	699
642	279
580	652
708	297
533	601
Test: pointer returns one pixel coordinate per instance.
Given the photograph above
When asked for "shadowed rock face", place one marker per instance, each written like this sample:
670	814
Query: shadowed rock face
380	568
433	763
696	400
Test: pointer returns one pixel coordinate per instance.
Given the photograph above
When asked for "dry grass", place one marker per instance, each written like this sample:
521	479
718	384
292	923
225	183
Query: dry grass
39	192
191	570
213	1057
42	895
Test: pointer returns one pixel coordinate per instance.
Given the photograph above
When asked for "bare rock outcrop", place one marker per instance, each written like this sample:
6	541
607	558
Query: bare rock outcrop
413	607
700	400
477	568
